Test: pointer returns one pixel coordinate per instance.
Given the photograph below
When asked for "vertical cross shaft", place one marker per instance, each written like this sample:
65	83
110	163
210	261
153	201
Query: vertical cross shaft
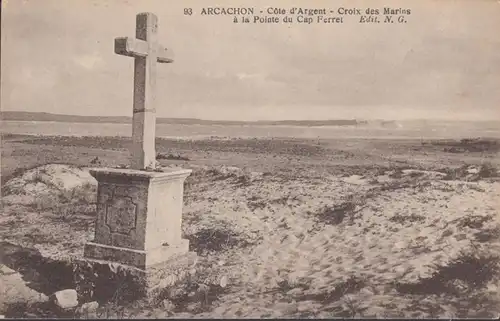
147	52
144	117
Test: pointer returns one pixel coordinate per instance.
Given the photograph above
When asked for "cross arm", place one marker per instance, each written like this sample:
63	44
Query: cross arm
162	56
132	47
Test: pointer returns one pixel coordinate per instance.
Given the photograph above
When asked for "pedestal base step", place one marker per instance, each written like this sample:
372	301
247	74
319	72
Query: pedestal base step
134	258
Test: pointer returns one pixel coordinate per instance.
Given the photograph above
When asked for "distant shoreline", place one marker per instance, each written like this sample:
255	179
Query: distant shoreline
61	118
48	117
129	123
23	136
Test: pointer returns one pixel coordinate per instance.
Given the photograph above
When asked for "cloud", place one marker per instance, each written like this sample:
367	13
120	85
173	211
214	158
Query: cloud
36	78
249	76
90	61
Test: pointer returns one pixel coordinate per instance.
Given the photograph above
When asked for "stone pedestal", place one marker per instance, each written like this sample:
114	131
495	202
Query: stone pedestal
139	217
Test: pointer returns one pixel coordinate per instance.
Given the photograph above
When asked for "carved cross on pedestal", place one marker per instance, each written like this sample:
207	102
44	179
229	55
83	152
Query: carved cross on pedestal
146	52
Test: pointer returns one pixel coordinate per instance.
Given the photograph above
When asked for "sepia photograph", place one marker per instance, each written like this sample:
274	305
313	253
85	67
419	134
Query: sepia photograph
250	159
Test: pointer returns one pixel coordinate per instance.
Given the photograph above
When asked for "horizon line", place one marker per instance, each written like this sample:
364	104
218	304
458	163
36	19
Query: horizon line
253	121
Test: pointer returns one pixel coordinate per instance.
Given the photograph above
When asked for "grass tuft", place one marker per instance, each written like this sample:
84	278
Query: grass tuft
215	239
335	215
171	157
469	271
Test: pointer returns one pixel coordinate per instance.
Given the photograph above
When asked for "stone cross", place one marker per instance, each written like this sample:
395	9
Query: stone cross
139	212
146	52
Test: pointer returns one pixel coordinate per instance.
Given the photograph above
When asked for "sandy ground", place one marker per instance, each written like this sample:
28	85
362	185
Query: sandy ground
290	232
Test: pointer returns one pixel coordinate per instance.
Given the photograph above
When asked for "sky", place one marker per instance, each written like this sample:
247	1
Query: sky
57	56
